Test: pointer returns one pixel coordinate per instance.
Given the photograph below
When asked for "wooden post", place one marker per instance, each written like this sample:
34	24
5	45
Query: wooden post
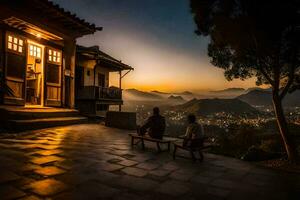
120	87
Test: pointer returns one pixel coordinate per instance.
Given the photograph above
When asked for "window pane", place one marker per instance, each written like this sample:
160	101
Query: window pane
54	58
16	40
50	52
15	47
52	73
10	39
21	42
54	53
16	65
50	58
58	59
20	49
9	45
38	54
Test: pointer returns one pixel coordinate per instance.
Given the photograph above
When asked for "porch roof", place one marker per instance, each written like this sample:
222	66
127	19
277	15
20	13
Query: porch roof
50	13
94	53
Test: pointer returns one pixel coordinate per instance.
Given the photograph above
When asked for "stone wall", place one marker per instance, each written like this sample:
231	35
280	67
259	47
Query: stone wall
122	120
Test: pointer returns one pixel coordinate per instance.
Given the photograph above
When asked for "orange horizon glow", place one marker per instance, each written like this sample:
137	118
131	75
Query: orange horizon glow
161	66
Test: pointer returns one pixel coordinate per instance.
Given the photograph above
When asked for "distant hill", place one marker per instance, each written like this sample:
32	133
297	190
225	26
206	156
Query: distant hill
210	106
185	93
134	94
177	98
257	88
229	90
257	98
227	93
262	97
159	92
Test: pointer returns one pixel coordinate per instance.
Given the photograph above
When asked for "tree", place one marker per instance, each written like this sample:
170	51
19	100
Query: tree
255	38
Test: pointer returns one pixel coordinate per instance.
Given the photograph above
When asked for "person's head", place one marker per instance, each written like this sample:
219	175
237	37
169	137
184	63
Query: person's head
155	111
191	118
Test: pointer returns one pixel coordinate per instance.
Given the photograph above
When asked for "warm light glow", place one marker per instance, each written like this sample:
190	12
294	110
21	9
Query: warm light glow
54	56
38	35
14	43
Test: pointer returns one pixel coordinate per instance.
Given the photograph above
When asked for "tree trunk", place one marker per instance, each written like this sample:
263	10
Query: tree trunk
283	128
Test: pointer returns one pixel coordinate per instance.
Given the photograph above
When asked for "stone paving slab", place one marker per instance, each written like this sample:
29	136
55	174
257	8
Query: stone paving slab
95	162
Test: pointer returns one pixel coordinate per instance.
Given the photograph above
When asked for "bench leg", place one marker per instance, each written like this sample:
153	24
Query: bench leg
158	147
201	156
192	155
132	141
143	144
174	152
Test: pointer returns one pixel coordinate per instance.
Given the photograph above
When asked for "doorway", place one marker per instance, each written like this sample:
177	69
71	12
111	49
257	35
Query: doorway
35	74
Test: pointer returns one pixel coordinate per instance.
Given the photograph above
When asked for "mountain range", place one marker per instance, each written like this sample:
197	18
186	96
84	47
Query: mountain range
252	96
205	107
259	97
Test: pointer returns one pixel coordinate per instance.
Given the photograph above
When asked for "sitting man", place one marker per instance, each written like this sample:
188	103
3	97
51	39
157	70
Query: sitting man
154	126
194	133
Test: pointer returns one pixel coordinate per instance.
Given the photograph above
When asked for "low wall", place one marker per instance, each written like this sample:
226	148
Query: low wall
122	120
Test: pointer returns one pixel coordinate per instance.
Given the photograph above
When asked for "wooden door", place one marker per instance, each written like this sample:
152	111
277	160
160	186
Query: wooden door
53	84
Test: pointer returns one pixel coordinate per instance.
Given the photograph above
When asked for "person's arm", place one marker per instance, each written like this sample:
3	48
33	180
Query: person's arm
147	123
188	132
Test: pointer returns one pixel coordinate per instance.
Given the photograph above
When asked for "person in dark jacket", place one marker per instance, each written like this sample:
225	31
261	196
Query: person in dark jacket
155	125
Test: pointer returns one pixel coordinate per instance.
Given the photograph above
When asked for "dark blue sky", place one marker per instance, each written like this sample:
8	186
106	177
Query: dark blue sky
156	37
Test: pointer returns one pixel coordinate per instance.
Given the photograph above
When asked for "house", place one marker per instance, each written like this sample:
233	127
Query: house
37	61
37	48
93	68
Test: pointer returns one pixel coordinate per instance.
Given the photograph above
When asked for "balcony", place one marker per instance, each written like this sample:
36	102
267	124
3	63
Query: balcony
99	93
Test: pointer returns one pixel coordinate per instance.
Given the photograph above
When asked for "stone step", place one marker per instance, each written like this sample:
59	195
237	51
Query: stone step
25	114
30	124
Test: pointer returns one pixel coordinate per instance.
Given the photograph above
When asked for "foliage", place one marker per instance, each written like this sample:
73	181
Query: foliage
271	145
252	38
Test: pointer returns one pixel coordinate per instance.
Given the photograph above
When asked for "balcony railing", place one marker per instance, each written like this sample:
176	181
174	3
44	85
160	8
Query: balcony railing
99	93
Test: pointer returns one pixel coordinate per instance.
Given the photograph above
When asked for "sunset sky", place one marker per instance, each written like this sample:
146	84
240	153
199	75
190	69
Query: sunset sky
157	38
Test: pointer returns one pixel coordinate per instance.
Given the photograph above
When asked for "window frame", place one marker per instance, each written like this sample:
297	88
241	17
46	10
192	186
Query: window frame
57	52
19	38
35	47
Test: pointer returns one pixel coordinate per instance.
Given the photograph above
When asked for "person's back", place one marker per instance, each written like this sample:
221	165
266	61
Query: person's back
155	125
194	132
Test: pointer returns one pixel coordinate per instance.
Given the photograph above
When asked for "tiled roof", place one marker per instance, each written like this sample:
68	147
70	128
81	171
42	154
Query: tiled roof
71	15
95	53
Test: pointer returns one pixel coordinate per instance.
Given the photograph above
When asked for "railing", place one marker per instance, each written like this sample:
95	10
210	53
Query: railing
95	92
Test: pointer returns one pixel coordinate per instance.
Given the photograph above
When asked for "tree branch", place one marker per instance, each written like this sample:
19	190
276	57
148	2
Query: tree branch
267	76
291	74
289	82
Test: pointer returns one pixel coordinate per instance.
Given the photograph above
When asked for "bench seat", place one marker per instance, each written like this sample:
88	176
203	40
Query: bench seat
202	145
142	139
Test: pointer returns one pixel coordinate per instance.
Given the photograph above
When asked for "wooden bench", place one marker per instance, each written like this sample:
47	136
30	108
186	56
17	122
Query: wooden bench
198	146
142	139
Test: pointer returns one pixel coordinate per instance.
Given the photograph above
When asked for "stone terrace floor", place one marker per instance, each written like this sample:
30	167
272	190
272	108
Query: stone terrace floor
95	162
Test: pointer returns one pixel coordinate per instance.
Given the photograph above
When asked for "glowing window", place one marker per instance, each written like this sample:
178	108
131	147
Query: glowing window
15	44
35	51
54	56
